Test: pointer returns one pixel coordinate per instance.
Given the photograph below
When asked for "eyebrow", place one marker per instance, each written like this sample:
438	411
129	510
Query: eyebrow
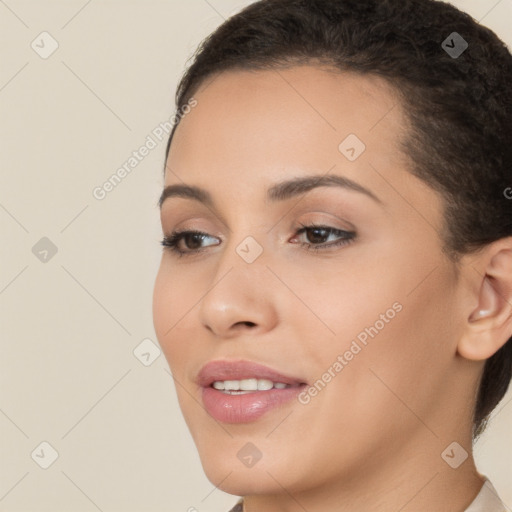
278	192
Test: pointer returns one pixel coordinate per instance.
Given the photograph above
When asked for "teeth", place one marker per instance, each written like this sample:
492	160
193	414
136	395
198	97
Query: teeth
248	385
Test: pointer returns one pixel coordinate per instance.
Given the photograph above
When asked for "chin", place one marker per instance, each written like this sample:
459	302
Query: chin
268	475
243	482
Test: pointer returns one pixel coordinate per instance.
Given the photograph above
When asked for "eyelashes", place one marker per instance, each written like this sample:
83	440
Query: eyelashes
194	237
172	242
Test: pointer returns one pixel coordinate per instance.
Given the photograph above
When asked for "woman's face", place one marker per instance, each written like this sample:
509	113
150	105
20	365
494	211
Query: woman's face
373	321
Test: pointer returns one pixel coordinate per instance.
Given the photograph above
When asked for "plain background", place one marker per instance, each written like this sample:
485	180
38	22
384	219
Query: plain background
70	325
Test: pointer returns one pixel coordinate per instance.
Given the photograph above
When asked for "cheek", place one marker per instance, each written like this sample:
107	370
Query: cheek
392	320
171	304
161	300
401	361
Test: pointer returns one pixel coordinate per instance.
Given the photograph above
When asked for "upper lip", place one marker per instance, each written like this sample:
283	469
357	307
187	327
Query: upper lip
236	370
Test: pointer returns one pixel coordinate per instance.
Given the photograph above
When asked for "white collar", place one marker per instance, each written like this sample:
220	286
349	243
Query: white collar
487	500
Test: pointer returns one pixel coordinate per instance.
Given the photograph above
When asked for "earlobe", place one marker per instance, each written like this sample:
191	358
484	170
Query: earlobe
489	324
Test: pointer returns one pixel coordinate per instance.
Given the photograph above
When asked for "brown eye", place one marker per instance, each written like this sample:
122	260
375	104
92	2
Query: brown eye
192	241
317	236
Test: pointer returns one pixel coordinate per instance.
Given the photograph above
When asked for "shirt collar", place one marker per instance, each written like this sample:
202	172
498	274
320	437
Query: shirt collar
487	500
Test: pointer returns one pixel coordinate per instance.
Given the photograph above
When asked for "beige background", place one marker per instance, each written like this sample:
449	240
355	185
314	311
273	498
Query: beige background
69	326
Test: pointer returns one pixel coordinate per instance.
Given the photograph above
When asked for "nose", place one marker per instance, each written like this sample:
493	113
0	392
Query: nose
239	297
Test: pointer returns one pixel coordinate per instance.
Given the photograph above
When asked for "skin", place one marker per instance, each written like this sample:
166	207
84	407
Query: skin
372	438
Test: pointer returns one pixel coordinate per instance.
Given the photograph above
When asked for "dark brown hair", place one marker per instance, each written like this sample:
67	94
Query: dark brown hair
459	106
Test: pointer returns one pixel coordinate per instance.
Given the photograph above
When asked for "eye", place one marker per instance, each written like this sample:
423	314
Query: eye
193	238
315	233
319	233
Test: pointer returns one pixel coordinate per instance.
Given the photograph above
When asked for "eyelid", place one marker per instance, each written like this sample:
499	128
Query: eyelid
308	217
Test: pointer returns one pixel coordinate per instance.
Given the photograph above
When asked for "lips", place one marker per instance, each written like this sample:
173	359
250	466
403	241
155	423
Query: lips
232	407
240	369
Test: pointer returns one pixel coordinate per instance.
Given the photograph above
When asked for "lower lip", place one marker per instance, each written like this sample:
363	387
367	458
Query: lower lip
246	407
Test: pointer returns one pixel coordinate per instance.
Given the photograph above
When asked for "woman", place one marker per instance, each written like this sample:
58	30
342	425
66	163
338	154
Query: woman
335	293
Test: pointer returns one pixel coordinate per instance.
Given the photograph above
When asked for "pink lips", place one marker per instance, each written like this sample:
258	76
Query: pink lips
243	408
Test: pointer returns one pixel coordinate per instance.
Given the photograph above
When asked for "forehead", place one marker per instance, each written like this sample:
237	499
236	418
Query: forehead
285	113
257	127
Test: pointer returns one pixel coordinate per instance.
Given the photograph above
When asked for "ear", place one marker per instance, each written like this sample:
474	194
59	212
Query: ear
489	325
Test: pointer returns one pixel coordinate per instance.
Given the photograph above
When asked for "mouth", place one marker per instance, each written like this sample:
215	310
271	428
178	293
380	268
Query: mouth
243	391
